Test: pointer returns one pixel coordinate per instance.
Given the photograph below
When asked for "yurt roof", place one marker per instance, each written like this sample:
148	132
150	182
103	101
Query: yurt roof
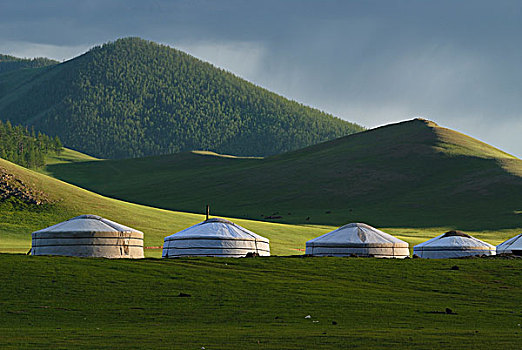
217	228
514	243
357	234
87	223
454	239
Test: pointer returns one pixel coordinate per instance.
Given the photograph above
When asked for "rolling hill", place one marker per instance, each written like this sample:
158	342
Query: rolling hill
132	98
30	201
411	176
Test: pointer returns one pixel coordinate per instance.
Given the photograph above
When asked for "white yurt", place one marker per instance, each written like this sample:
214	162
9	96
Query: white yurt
215	237
453	244
358	239
511	246
89	236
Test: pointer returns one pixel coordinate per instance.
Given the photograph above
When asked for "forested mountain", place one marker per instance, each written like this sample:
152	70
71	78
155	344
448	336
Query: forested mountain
9	63
133	98
24	147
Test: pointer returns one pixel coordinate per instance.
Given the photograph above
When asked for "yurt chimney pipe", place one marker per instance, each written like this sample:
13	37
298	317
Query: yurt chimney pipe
208	211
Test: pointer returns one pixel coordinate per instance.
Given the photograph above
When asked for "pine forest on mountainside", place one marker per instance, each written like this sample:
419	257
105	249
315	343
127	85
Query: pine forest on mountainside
24	147
132	98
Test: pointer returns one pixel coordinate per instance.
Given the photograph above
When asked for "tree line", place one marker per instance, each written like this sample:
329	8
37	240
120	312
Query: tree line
25	147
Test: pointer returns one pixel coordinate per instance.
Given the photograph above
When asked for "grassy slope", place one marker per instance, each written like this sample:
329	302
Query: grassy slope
259	303
414	178
68	156
17	223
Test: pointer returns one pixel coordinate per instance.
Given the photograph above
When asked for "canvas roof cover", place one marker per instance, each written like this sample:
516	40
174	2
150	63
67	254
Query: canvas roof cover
88	236
511	246
359	240
453	244
215	237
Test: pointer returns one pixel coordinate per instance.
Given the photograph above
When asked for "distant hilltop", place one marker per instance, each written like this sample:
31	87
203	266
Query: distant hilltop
133	97
10	63
408	174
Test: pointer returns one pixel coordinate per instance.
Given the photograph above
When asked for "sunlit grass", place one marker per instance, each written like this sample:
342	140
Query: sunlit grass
59	302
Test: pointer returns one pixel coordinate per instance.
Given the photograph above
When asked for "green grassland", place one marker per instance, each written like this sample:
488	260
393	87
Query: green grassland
68	156
414	179
261	303
432	181
18	220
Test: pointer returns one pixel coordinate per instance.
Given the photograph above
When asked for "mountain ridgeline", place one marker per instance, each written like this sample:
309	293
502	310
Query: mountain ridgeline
10	63
132	98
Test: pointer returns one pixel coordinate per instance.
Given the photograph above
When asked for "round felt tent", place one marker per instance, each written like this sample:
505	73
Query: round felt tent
215	237
89	236
511	246
358	239
453	244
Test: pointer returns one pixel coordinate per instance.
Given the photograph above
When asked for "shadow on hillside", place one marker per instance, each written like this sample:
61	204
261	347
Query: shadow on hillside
461	192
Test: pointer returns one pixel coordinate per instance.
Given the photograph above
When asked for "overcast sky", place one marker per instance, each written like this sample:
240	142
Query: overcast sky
457	63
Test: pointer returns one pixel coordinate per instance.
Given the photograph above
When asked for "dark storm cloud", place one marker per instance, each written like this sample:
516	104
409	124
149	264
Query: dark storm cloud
456	62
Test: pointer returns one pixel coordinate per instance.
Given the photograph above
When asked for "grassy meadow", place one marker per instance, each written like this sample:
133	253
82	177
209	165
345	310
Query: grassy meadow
414	179
260	303
17	221
264	303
